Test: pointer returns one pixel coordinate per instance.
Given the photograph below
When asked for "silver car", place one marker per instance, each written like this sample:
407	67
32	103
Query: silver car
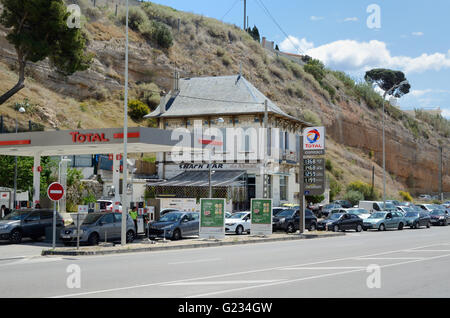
99	227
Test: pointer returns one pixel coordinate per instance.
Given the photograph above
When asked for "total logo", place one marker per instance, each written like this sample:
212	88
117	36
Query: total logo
314	138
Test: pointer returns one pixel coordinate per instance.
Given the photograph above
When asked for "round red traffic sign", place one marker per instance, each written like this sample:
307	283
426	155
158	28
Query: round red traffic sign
55	191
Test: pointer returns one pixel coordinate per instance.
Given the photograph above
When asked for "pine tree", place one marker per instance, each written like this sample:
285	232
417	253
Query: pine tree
38	30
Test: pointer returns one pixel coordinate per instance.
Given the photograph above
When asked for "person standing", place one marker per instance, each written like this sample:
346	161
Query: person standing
133	215
3	211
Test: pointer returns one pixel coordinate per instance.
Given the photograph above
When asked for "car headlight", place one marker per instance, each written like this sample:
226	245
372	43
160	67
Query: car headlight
230	224
282	220
441	218
4	226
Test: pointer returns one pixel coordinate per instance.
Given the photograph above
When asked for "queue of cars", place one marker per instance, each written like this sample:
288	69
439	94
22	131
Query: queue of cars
175	224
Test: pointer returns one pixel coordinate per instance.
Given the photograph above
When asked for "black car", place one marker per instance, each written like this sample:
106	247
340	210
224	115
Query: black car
344	203
27	223
326	210
439	217
341	222
289	221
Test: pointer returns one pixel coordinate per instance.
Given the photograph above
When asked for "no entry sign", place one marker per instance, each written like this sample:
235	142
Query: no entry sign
55	191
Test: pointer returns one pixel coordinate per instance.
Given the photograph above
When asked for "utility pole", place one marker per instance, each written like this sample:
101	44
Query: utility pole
245	15
266	176
440	174
301	186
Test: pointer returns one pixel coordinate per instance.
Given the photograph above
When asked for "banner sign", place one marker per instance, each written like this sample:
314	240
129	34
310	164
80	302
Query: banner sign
314	141
212	218
261	217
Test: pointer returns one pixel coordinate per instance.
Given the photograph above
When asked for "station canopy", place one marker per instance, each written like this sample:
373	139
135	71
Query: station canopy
85	142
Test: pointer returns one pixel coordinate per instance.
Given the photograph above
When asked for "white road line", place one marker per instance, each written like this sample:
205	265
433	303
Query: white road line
197	261
226	282
386	258
223	275
323	268
309	278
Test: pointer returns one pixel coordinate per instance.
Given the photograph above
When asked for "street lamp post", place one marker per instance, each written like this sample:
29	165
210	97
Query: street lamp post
21	110
125	144
384	142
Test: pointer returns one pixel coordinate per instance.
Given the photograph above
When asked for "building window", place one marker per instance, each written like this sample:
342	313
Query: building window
283	188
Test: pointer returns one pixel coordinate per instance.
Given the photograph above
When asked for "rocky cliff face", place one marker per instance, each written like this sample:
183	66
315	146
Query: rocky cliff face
206	47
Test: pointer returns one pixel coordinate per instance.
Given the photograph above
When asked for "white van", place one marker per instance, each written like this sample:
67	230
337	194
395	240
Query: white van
375	206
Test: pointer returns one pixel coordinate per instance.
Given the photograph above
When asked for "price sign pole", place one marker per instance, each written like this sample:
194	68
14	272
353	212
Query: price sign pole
311	167
55	193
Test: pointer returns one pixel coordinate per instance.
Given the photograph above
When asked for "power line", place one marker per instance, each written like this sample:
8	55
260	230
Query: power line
261	4
232	7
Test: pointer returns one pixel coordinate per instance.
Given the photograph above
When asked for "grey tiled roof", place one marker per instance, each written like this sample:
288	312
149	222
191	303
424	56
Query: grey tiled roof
222	95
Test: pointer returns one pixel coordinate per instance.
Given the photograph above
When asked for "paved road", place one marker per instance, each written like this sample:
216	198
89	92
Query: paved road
412	263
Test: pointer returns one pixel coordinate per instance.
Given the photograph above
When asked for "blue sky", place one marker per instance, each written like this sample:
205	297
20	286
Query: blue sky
412	37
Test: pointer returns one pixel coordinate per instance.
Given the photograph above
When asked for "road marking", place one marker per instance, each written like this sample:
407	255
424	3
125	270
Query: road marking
223	275
226	282
31	260
197	261
386	258
323	268
310	278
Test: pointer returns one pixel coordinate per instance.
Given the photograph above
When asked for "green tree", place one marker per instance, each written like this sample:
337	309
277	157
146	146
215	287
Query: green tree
38	29
316	68
25	173
354	197
392	82
137	110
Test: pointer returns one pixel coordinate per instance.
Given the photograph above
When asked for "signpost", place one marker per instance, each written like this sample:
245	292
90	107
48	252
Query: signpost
312	167
55	193
212	218
261	217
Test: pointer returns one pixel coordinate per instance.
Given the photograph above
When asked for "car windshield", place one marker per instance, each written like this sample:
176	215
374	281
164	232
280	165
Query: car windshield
285	213
412	215
437	212
91	218
171	217
335	216
238	215
16	215
377	215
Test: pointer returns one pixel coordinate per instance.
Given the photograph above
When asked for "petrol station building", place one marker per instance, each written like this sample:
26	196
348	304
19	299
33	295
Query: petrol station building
86	142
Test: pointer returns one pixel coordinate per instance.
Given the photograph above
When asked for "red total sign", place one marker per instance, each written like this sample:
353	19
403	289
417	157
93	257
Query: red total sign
55	191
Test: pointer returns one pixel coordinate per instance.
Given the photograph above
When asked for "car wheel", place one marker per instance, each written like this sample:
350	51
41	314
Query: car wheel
359	228
313	227
417	225
15	237
336	228
130	236
176	235
400	226
93	239
290	228
239	230
382	227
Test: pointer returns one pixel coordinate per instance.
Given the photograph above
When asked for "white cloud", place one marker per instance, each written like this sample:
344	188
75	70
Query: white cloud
417	33
314	18
420	93
352	19
354	56
291	44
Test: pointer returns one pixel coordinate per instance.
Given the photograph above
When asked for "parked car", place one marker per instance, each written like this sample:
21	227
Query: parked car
377	206
429	207
344	203
277	210
238	223
99	227
176	225
416	219
341	222
425	197
385	220
27	223
361	213
289	221
326	210
439	217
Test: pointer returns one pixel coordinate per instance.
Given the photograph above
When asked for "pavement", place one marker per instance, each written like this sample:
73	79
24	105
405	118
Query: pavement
146	245
408	263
